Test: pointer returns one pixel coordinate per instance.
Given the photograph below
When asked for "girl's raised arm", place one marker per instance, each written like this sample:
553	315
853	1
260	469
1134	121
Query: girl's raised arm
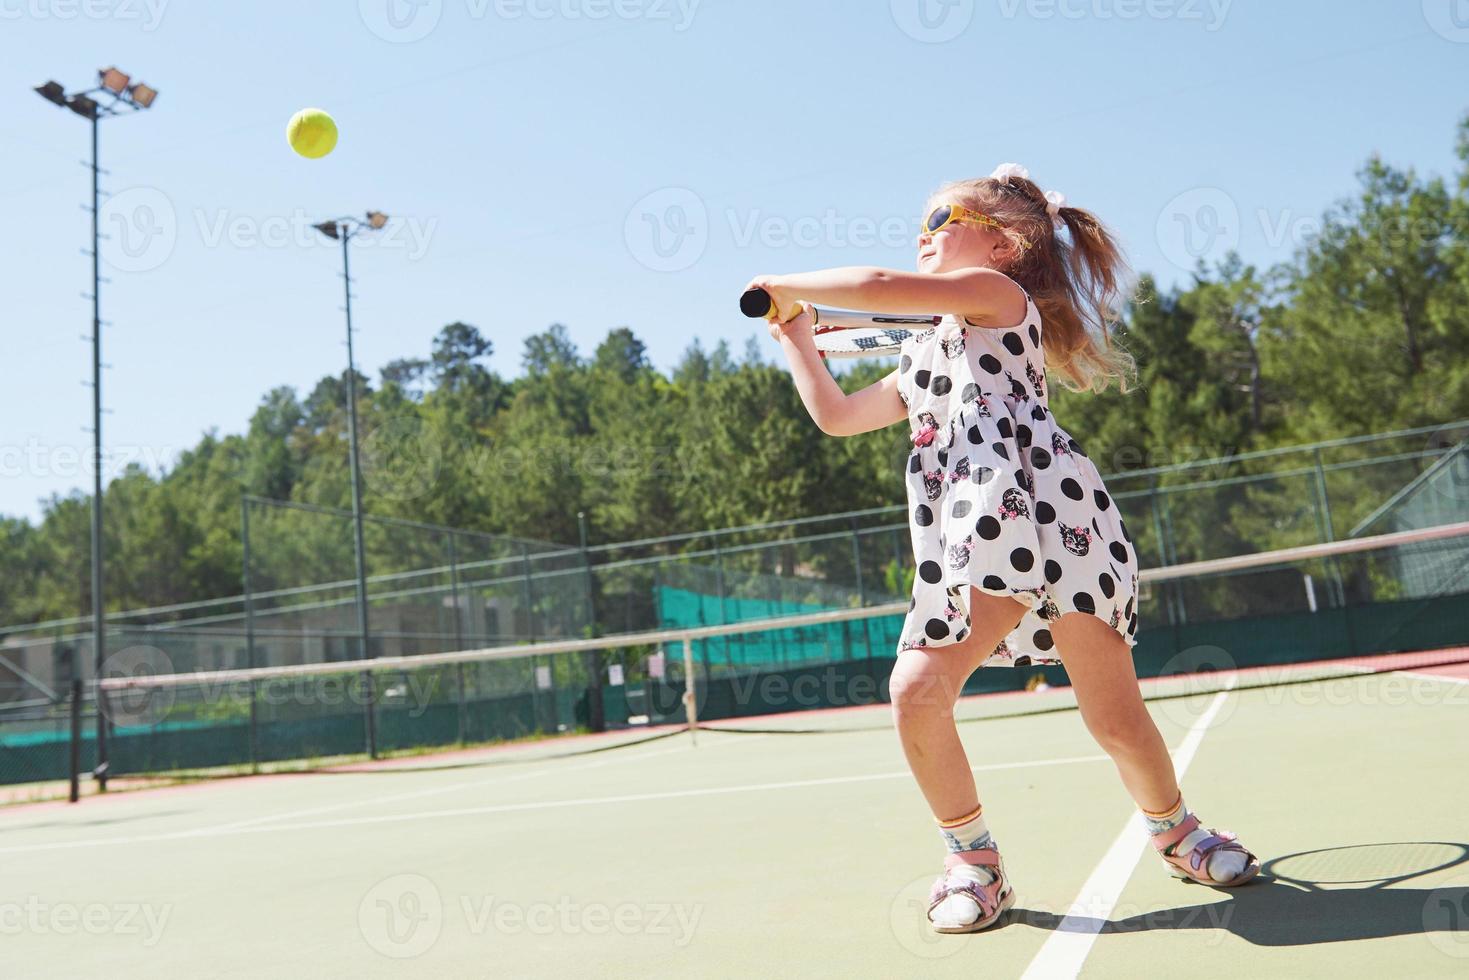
834	411
975	293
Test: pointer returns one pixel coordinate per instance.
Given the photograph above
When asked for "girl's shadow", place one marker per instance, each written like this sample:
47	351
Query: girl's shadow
1280	909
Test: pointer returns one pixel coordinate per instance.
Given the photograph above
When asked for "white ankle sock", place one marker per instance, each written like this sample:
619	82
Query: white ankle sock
1221	865
971	835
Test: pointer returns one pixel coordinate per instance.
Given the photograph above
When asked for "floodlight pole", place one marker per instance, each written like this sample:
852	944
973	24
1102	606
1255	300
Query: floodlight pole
122	97
359	549
344	229
99	625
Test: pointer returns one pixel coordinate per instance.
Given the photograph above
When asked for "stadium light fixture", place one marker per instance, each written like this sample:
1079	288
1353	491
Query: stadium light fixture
113	80
344	230
52	92
111	97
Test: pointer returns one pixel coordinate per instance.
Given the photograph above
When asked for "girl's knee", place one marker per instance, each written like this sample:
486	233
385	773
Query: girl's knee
1122	730
921	688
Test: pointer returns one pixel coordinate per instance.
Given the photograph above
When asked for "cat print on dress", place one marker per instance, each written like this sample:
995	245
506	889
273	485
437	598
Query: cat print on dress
951	611
959	553
1077	540
933	483
979	416
1035	380
1016	388
1013	506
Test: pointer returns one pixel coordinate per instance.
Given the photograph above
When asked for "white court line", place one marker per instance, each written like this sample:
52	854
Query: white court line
514	807
455	787
1433	677
1064	952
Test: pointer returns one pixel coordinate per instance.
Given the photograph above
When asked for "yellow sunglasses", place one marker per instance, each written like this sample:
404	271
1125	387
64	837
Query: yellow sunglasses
947	214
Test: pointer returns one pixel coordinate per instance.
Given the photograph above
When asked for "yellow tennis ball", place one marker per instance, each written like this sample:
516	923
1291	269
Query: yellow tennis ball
312	133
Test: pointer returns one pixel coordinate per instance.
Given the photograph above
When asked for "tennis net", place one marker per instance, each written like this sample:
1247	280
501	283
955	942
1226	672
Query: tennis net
1390	602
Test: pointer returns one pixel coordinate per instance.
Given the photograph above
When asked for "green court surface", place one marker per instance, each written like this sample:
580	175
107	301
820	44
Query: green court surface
777	855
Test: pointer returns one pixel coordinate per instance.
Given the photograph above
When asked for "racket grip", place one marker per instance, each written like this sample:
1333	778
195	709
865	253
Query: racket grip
756	303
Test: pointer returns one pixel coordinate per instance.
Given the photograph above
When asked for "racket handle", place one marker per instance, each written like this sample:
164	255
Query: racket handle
756	303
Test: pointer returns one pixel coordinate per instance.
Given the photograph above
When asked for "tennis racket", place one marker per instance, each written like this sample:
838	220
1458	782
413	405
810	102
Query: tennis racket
846	333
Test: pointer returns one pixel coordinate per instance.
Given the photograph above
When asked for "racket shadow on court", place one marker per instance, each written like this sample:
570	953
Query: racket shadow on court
1332	895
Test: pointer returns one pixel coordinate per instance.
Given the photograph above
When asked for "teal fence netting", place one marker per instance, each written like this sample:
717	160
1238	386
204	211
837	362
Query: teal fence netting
432	589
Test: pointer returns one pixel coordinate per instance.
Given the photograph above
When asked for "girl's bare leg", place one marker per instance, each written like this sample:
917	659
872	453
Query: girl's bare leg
924	686
1099	664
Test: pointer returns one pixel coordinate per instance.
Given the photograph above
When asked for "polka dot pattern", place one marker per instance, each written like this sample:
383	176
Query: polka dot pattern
1003	500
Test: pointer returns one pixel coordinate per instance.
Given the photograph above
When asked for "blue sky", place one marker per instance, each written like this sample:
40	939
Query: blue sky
602	163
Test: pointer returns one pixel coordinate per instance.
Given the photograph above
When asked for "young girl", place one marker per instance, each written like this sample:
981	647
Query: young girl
1022	557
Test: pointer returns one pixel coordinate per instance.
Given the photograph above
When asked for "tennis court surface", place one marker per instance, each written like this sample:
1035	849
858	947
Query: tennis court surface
804	852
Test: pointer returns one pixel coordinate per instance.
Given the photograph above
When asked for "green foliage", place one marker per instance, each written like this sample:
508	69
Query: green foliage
1365	329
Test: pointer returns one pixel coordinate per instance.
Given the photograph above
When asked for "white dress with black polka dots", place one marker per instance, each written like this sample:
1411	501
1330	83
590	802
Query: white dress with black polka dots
1001	497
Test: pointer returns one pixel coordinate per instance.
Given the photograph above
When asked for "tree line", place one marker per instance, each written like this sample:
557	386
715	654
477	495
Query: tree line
1365	328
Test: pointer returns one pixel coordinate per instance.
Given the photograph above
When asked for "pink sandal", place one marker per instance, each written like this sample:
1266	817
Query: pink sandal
993	899
1193	865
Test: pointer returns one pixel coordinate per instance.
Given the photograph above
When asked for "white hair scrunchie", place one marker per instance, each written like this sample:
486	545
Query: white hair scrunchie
1005	171
1055	201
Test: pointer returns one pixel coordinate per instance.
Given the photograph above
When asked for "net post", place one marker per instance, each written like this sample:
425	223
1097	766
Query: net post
530	597
861	587
245	588
76	732
691	710
458	630
723	613
596	707
1323	508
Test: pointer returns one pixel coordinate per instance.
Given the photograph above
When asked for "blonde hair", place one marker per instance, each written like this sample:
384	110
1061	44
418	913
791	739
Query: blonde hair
1076	285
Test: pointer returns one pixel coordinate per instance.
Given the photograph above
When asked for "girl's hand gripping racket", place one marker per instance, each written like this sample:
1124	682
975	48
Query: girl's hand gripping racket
844	333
